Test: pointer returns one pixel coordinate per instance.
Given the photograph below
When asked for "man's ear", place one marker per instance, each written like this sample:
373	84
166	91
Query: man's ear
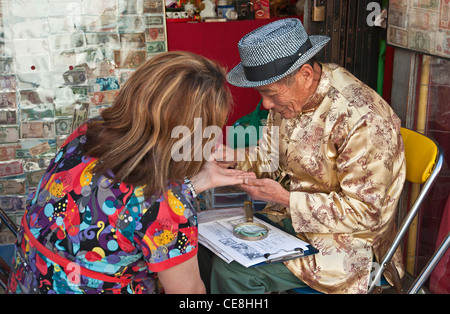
306	75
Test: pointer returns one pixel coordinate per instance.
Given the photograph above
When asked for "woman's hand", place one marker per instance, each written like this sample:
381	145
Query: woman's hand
227	157
214	175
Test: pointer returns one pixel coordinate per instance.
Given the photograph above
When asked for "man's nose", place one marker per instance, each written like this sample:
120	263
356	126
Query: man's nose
267	103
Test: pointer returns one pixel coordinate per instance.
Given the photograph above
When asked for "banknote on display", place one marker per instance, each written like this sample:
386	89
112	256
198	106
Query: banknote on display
11	168
13	203
7	83
25	148
155	34
8	116
9	134
12	186
37	129
8	152
8	100
37	112
127	59
63	126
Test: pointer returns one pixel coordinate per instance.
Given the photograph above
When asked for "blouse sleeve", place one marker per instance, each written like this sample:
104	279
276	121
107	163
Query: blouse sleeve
171	235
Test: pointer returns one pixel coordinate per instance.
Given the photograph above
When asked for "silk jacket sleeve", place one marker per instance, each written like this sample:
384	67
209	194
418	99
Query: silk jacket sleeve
365	171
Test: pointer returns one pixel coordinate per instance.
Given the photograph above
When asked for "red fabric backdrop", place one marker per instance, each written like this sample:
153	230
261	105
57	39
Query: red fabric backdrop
218	41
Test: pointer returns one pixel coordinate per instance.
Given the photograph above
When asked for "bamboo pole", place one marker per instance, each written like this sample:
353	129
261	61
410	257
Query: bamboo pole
415	188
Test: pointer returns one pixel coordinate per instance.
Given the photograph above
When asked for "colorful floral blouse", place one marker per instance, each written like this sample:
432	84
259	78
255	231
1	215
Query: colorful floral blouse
111	229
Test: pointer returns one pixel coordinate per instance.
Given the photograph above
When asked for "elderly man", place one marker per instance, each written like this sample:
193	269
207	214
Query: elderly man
341	166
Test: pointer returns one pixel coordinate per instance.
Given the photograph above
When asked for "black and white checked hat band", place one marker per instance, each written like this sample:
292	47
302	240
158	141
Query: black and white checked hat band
273	51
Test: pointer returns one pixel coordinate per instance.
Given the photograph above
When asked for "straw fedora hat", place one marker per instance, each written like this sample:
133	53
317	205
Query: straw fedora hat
273	51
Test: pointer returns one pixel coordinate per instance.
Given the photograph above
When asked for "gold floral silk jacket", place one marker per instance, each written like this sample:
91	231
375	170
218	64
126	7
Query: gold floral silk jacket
342	159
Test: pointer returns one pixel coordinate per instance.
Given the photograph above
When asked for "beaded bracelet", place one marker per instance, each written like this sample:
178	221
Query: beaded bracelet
190	186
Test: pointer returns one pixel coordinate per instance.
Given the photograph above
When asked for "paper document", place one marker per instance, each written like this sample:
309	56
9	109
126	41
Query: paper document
216	233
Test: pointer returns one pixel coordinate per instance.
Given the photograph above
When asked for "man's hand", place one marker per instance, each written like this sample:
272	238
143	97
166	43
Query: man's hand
266	190
213	175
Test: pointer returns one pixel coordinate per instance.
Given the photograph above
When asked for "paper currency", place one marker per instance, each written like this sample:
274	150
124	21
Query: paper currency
107	40
64	108
80	92
13	203
77	76
105	83
8	100
7	83
34	177
420	40
129	59
398	36
104	68
130	6
12	186
66	41
156	47
12	168
155	34
151	20
35	80
131	23
132	38
125	75
39	149
100	23
30	97
6	66
443	43
105	97
37	130
8	152
80	114
154	6
36	164
130	41
422	20
8	117
37	112
95	111
63	126
9	134
93	56
25	147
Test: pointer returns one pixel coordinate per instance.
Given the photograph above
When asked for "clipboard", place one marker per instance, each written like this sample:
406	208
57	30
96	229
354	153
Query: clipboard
294	254
216	234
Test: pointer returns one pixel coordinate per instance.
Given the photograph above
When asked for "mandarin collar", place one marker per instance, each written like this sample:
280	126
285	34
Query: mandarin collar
321	91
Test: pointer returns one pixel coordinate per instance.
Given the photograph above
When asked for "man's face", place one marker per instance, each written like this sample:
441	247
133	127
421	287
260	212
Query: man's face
287	100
